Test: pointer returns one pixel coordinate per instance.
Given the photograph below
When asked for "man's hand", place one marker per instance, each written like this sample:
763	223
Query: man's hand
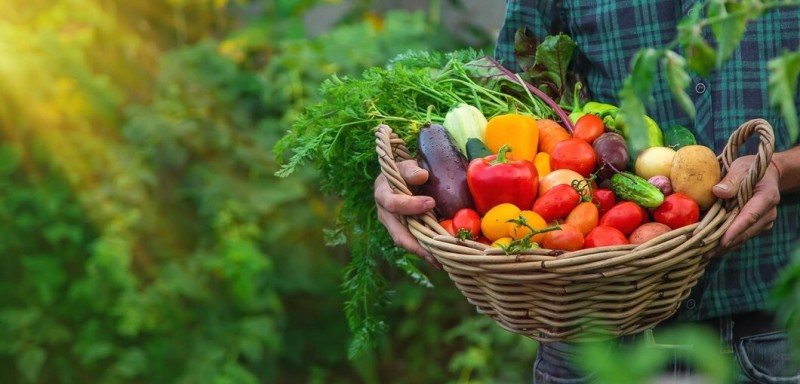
391	204
759	213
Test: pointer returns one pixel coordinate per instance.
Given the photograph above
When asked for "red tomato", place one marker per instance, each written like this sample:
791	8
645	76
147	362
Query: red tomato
483	240
447	224
677	210
645	215
568	238
557	202
467	223
625	216
604	199
588	127
575	154
602	236
584	216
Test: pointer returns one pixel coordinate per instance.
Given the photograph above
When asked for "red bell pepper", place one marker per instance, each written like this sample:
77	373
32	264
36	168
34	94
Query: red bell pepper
497	179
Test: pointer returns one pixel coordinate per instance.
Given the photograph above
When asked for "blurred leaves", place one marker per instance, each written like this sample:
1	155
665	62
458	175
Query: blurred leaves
643	359
785	302
146	238
728	21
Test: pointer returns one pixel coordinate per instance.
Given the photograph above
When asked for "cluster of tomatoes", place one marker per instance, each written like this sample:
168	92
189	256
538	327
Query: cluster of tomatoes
570	211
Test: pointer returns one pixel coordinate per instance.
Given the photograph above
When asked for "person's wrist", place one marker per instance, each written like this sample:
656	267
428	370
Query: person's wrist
785	166
777	163
776	166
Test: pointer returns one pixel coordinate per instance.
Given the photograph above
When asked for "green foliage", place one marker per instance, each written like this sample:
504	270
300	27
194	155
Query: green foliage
145	236
785	302
636	91
645	360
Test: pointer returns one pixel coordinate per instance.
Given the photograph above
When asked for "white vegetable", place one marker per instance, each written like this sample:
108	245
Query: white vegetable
655	161
463	122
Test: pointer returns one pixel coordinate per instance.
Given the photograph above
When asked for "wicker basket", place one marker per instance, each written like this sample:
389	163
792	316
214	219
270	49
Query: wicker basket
588	294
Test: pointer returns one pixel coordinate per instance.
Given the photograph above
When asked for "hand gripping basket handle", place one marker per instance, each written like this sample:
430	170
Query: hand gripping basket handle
758	168
391	150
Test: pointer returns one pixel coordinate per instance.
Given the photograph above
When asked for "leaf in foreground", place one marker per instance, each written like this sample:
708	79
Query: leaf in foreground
784	71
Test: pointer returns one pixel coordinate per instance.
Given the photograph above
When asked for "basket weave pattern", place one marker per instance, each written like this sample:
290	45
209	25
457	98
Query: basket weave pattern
588	294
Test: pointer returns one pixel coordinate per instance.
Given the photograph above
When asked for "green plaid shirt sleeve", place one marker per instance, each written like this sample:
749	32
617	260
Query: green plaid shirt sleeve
608	34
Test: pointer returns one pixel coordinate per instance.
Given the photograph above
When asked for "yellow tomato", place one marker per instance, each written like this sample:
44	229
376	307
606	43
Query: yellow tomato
502	242
534	220
494	223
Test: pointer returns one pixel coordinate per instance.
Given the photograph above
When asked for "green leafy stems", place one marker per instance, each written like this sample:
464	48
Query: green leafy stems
525	243
454	85
728	21
530	89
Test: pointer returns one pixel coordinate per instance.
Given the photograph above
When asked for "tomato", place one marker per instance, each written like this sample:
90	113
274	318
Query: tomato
584	216
533	221
447	224
645	215
588	127
602	236
467	223
503	242
568	238
557	202
575	154
605	199
494	223
483	240
677	210
625	216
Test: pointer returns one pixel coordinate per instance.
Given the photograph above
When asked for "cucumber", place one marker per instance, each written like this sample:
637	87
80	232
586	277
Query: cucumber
677	137
628	186
477	149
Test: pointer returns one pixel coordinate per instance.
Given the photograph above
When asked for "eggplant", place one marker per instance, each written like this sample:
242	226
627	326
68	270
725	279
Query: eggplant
447	171
612	154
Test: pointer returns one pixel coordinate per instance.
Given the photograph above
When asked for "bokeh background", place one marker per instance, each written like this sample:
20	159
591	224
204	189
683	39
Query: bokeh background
145	238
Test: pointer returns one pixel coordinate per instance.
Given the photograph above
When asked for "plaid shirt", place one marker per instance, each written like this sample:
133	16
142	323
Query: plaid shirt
608	34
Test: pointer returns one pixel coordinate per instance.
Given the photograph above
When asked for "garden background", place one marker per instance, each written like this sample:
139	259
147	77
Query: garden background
145	238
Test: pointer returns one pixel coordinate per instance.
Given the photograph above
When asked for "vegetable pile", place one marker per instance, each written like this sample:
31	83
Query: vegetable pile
533	183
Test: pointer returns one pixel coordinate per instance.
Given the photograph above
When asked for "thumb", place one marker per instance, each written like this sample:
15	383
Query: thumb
728	186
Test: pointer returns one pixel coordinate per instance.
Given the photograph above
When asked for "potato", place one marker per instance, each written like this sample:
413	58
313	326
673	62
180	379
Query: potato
647	231
654	161
695	170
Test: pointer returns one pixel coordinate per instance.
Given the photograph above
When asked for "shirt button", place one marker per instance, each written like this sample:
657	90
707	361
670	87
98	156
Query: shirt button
700	88
690	304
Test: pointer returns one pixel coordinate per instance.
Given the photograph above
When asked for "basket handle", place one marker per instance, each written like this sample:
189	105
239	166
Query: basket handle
392	149
758	168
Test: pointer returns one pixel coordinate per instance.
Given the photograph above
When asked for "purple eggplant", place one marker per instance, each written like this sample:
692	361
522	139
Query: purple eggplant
447	171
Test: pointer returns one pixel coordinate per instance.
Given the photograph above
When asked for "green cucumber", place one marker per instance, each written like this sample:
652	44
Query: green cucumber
677	137
631	187
476	149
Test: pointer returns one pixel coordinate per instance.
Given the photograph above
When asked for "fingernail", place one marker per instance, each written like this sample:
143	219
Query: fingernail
723	187
429	204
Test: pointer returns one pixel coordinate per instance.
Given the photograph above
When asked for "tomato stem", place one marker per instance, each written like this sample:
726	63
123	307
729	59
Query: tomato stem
584	185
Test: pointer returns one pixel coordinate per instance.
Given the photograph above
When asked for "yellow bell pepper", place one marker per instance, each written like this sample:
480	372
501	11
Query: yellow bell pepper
520	132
